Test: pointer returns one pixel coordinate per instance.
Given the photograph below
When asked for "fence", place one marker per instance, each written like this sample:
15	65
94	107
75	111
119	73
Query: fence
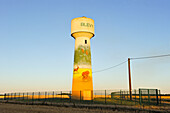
139	97
149	96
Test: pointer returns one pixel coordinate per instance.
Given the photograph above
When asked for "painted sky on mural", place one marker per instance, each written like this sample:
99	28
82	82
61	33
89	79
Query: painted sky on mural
37	51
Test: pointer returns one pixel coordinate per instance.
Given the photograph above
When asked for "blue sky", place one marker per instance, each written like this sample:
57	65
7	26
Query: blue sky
37	51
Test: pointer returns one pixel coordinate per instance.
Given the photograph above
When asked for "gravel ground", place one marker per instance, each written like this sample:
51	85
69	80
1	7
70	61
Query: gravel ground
17	108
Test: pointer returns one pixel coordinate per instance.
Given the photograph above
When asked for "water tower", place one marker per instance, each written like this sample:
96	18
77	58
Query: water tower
82	30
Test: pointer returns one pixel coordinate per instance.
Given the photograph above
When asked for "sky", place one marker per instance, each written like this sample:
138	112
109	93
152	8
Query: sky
37	50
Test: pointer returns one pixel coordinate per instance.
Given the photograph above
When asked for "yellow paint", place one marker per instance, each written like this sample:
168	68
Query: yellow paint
82	84
35	96
82	29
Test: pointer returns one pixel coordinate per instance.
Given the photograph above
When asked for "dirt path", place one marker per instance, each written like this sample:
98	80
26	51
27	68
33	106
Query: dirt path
17	108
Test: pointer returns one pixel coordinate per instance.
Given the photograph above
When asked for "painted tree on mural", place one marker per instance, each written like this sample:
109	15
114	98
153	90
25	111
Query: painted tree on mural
82	55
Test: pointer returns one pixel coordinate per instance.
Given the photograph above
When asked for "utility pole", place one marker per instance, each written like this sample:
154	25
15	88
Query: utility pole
130	86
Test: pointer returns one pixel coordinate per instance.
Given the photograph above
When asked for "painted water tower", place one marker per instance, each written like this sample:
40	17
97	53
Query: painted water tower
82	30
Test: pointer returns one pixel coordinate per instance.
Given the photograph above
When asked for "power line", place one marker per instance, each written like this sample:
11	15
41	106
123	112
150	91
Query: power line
166	55
110	67
147	57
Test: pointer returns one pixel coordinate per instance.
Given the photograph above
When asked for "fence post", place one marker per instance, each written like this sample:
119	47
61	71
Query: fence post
8	96
32	96
45	95
61	96
70	96
123	94
11	96
53	95
48	96
5	96
105	96
27	95
39	96
157	96
160	96
23	96
140	96
135	96
92	96
120	97
56	95
127	95
14	95
80	95
19	96
148	97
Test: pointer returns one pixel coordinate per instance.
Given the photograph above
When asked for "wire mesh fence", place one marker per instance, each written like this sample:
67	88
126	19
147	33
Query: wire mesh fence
114	97
149	96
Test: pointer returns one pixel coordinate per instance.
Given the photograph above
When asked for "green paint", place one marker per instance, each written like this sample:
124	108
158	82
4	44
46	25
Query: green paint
86	24
82	55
